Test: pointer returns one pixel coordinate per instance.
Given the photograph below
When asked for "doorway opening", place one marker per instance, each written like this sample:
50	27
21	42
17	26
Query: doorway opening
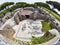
27	16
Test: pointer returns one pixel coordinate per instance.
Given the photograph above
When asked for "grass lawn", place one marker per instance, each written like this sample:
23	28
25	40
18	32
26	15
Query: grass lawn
52	13
40	40
46	26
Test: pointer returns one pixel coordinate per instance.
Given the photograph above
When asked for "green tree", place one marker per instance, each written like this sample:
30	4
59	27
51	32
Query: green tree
41	4
54	4
5	5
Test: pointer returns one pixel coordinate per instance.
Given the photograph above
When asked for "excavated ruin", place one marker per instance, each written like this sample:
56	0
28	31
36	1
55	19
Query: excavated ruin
11	21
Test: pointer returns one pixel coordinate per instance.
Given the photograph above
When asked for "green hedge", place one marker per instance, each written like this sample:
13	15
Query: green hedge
43	39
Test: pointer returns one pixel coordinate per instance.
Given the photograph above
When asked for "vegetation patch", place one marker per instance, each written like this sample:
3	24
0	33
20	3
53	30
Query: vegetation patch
46	26
43	39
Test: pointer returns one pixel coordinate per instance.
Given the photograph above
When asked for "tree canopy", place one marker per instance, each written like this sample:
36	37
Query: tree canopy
20	5
41	4
6	4
54	4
